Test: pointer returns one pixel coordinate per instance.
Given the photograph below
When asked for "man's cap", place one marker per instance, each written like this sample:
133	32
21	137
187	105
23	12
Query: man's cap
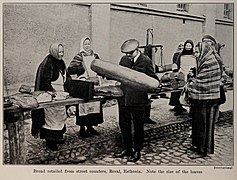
209	37
129	45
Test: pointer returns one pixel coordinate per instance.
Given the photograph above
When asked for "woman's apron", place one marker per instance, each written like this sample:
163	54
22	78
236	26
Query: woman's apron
55	117
89	74
187	62
90	113
87	66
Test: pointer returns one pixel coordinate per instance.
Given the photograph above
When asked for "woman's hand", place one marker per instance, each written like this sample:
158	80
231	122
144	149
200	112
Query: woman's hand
53	94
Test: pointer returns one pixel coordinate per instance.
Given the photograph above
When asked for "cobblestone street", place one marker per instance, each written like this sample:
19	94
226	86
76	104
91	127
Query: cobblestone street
173	150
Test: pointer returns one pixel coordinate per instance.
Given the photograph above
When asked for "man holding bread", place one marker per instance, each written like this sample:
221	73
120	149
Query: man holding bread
132	104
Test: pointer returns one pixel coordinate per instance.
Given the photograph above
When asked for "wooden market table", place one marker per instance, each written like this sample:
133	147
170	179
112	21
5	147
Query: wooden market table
14	121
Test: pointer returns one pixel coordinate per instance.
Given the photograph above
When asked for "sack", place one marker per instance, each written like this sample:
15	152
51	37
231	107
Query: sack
108	91
95	80
25	89
42	96
24	100
184	98
61	95
222	95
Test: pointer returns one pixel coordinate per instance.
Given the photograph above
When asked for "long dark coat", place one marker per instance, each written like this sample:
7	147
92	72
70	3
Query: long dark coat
133	97
48	71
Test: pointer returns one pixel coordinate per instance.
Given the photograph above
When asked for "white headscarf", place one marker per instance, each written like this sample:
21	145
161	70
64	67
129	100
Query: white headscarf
82	50
178	49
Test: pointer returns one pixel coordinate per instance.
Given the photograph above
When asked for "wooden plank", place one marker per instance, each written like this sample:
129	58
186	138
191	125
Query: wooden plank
9	111
14	120
65	102
17	140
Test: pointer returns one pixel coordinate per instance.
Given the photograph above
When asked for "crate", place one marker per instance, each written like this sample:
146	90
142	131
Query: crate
81	89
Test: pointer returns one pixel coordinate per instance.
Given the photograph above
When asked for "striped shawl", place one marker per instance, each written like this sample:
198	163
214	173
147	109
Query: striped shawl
206	85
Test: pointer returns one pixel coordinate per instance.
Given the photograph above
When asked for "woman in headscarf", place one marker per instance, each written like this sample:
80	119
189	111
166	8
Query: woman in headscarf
79	68
184	60
217	47
51	76
179	50
204	92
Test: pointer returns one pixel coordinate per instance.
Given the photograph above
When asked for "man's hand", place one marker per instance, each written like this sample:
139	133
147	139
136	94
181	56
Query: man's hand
158	89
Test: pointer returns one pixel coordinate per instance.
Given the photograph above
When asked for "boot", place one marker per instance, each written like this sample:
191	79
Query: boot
52	145
83	133
92	131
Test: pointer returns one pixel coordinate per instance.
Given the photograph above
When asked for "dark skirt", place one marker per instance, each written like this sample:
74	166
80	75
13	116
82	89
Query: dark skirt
204	115
174	99
48	134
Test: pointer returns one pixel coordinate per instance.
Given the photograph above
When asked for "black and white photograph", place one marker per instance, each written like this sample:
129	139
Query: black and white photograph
118	89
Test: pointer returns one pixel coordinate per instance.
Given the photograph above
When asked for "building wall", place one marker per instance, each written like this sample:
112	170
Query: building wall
101	29
163	7
126	25
197	9
30	29
170	31
220	11
224	34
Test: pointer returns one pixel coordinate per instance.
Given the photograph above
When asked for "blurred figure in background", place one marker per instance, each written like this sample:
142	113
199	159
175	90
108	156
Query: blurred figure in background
177	53
175	95
184	61
148	120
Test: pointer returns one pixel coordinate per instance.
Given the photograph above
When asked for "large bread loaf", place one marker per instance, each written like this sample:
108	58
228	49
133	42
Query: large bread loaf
125	75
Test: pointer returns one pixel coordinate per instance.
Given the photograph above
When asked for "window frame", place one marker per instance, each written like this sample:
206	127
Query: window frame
184	7
227	10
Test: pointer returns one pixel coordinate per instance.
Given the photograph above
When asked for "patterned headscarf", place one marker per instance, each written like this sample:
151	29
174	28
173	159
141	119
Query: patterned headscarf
82	50
53	50
205	51
215	50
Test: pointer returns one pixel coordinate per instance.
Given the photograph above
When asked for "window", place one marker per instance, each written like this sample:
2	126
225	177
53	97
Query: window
182	7
227	11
